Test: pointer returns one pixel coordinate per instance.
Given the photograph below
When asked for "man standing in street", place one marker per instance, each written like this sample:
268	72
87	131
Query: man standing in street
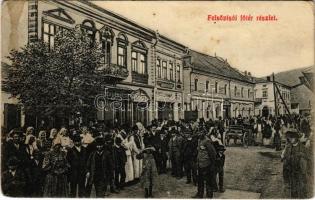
77	157
175	148
99	169
206	158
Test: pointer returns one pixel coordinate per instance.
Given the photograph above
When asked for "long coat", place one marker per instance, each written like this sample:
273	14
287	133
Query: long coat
149	171
77	161
295	161
13	186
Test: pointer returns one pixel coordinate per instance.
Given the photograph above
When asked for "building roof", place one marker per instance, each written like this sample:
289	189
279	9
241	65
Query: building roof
215	65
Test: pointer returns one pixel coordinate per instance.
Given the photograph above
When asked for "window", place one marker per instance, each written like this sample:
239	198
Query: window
164	65
171	71
196	84
178	73
134	58
216	87
207	86
88	27
264	93
143	64
248	93
225	89
235	91
49	34
106	41
122	43
158	64
242	92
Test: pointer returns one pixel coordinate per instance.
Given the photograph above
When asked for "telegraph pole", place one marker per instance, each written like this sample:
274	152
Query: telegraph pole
275	94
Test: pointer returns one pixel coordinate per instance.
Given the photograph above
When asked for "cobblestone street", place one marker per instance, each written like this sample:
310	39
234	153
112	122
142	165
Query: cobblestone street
254	172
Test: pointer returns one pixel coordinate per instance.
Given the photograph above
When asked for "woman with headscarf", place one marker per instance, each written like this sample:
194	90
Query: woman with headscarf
138	145
52	136
56	166
64	138
29	133
43	143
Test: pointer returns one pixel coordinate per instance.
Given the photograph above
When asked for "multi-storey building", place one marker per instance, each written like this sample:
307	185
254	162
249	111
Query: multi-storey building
212	88
142	69
267	97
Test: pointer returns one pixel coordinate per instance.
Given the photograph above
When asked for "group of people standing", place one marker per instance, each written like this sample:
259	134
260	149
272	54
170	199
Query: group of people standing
69	162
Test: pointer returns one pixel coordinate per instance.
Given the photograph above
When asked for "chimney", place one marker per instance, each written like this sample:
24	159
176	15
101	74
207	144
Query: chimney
249	74
268	78
245	73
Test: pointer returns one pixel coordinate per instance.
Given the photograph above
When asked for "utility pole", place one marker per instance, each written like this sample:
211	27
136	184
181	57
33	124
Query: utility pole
275	94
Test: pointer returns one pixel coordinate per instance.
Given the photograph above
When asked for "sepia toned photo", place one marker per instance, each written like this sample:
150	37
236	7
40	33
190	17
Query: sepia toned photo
157	99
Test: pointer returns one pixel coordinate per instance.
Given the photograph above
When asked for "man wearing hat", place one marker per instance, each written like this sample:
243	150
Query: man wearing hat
13	179
99	169
77	157
206	158
175	153
220	160
295	158
190	156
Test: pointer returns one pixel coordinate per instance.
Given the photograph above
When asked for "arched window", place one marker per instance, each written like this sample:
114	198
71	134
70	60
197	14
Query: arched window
122	43
88	27
196	84
107	41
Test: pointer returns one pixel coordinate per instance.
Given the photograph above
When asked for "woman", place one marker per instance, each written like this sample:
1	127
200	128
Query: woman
52	136
86	136
56	166
64	138
42	143
29	133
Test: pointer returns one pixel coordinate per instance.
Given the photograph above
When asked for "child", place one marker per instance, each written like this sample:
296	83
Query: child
149	171
220	165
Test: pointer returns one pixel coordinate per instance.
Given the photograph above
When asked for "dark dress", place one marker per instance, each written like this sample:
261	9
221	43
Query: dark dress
56	165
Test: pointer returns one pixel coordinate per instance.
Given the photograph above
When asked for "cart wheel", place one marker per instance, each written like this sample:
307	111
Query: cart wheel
245	140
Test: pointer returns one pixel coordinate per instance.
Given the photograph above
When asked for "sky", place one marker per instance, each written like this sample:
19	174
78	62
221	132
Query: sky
259	47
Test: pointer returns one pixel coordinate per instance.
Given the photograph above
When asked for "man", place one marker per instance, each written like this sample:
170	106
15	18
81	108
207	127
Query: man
220	165
13	180
164	150
15	148
120	159
36	175
77	157
175	148
206	167
220	127
189	157
99	168
295	159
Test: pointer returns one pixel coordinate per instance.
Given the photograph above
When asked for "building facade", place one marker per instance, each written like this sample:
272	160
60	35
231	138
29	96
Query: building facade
267	99
212	88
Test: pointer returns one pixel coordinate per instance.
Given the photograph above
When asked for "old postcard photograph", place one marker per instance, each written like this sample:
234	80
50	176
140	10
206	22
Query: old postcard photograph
157	99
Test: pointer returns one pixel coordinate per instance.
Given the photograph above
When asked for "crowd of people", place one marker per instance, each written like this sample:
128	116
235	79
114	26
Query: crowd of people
70	161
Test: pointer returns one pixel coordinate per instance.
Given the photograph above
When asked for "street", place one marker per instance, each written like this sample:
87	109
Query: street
254	172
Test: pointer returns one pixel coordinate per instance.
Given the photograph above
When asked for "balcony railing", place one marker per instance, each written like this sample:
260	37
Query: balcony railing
140	78
114	71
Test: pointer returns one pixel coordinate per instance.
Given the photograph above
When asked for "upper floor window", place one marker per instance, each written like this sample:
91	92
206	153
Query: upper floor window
159	69
134	58
171	71
139	57
248	93
49	34
106	42
164	65
207	86
242	92
88	27
216	87
196	84
235	91
264	93
178	73
122	42
225	89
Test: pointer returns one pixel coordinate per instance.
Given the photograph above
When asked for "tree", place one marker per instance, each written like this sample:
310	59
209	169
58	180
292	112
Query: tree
62	80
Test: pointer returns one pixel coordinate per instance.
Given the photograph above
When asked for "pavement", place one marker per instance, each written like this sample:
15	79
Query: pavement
250	173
